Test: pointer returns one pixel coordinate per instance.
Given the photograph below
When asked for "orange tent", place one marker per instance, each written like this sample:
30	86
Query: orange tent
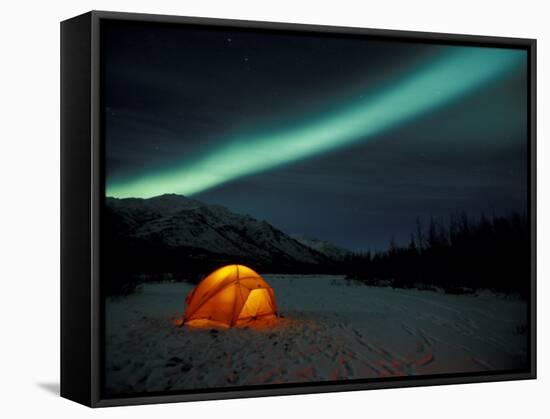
230	296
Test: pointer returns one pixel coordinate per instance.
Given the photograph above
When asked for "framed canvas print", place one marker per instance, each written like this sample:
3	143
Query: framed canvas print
254	208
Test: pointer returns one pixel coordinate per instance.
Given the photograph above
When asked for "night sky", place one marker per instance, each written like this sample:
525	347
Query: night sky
343	139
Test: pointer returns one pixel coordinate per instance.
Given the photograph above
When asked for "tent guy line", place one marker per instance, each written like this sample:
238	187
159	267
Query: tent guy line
433	84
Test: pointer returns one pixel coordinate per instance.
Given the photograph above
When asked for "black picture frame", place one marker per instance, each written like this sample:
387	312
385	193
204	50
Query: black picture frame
82	196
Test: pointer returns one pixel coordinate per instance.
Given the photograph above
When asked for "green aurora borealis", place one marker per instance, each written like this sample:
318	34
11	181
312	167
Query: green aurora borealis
426	87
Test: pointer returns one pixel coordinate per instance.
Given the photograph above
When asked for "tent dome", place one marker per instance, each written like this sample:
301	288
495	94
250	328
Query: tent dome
230	296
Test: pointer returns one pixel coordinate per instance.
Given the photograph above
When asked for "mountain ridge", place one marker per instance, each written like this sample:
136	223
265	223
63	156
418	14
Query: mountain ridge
179	222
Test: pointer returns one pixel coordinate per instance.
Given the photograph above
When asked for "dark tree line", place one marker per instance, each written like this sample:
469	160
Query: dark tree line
460	256
128	262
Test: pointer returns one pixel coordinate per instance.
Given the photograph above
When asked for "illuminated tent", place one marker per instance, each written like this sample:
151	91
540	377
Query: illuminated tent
230	296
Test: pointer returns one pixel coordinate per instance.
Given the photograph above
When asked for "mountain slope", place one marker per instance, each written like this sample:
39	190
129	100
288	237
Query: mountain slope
178	222
326	248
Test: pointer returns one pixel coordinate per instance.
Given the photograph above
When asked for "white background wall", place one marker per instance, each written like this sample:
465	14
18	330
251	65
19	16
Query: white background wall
29	209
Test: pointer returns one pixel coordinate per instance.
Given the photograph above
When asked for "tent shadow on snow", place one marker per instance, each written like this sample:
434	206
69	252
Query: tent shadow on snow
231	296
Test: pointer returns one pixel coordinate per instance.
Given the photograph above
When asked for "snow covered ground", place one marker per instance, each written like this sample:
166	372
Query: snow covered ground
329	331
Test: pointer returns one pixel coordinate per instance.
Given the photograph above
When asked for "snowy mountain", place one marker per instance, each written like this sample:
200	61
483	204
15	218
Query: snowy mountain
180	222
326	248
